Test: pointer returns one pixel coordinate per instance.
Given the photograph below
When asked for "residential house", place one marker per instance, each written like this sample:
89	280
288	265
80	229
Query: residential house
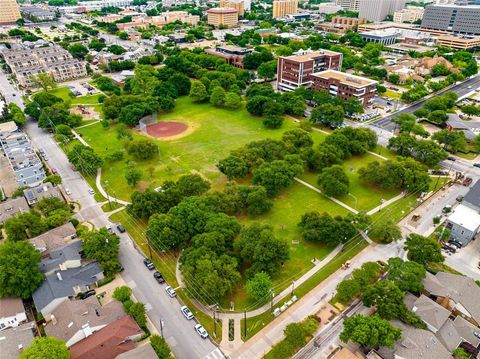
464	221
75	320
470	128
432	313
457	293
114	339
43	190
426	64
456	332
11	207
54	238
12	313
14	340
141	352
66	257
61	285
415	343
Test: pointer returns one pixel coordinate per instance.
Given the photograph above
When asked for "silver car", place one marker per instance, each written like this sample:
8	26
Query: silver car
201	331
187	313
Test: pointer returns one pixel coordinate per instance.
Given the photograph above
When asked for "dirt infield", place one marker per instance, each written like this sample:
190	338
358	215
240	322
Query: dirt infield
166	129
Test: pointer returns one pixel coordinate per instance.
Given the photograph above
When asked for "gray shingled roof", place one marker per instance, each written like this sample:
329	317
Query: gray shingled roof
11	338
430	312
142	352
11	207
53	287
473	195
61	255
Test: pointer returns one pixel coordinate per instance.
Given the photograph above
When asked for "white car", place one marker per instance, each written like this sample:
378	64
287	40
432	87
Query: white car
67	191
91	191
187	312
109	228
201	331
170	291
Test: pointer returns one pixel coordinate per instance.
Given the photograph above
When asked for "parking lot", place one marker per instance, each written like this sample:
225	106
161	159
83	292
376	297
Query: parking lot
82	89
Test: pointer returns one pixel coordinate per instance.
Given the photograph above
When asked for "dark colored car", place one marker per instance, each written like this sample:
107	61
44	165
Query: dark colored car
476	165
121	228
148	263
87	294
451	158
455	243
158	276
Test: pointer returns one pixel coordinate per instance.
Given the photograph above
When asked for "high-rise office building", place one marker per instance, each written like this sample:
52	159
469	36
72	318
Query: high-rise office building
378	10
238	5
222	17
282	8
350	5
9	12
455	18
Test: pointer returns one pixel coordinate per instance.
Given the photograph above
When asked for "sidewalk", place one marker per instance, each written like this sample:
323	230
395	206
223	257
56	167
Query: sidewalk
386	203
98	182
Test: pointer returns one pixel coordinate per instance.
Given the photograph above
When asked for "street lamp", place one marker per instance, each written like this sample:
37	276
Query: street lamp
271	301
162	323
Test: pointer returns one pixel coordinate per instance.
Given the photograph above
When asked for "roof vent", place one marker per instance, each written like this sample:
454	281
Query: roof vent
20	347
59	276
53	319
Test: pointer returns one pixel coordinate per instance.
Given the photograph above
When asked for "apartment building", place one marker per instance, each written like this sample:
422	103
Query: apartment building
409	14
375	10
238	5
282	8
295	71
350	5
37	14
340	24
9	12
345	85
233	55
54	60
222	17
23	160
458	19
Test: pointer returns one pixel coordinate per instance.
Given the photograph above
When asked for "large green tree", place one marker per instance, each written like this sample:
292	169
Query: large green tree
423	250
85	159
198	92
370	331
259	287
20	275
46	348
406	275
103	247
333	181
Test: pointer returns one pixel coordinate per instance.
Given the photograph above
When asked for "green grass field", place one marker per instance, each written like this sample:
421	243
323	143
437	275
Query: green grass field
216	132
362	197
65	94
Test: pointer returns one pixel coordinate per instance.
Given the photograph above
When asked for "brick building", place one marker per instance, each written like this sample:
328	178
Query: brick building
222	17
345	85
238	5
232	54
294	71
282	8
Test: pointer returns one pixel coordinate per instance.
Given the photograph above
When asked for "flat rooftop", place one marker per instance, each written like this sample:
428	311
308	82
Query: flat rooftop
407	47
348	79
454	6
311	55
466	217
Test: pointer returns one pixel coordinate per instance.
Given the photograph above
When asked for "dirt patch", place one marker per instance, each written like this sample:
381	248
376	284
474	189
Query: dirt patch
167	129
88	113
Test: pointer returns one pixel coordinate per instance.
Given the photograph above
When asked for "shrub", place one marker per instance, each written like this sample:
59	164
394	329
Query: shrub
122	294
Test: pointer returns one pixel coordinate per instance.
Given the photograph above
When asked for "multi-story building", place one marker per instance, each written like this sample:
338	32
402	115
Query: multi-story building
9	12
222	17
458	43
295	71
376	10
410	14
24	162
458	19
238	5
232	54
345	85
340	24
54	60
172	16
350	5
37	14
282	8
90	5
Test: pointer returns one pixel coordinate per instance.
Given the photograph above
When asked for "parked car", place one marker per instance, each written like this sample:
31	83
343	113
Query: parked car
87	294
455	243
459	198
476	165
121	228
451	158
67	191
91	191
158	276
109	228
201	331
187	312
170	291
148	263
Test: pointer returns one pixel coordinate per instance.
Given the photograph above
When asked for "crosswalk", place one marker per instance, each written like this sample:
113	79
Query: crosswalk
216	354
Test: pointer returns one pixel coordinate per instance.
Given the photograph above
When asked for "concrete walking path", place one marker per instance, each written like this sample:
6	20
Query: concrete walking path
386	203
78	137
88	124
98	182
331	198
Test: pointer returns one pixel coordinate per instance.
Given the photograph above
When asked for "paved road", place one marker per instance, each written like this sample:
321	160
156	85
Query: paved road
461	89
178	331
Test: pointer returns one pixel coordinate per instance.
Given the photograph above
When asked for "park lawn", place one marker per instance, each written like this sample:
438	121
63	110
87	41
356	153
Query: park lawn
216	133
287	211
362	196
392	94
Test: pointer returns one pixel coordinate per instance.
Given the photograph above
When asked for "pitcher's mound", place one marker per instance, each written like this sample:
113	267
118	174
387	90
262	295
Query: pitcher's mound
166	129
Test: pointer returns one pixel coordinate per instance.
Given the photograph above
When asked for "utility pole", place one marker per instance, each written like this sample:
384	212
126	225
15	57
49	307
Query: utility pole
214	323
271	302
161	327
293	287
149	246
108	197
